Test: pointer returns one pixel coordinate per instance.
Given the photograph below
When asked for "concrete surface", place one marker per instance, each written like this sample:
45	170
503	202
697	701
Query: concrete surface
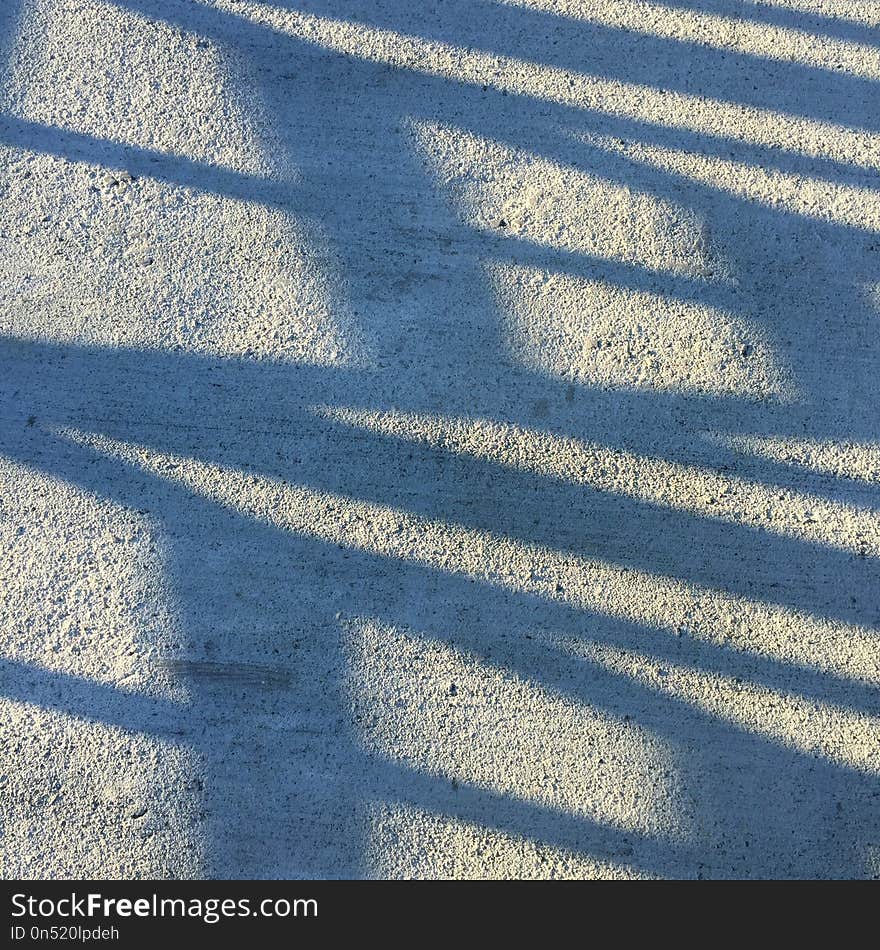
440	439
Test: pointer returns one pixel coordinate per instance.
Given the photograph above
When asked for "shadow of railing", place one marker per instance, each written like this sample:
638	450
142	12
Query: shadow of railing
291	799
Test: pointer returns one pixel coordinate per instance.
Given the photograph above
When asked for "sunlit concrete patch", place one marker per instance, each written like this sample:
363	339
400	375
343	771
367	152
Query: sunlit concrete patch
406	843
852	11
723	32
823	199
706	492
237	279
86	613
597	333
590	331
848	737
174	93
704	115
86	800
859	461
179	263
871	862
436	710
84	587
508	191
670	606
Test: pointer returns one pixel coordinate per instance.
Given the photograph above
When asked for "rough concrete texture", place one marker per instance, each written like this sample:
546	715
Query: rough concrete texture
440	439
